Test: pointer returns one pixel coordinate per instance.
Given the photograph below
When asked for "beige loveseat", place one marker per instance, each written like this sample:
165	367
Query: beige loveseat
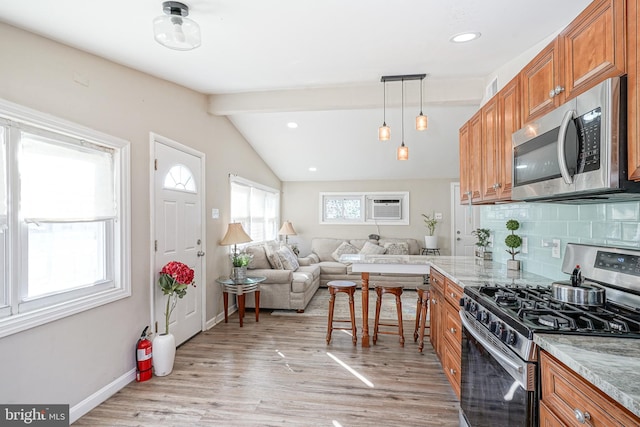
287	287
323	254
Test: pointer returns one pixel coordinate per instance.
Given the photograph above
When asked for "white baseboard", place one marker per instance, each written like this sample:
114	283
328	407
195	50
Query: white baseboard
100	396
219	318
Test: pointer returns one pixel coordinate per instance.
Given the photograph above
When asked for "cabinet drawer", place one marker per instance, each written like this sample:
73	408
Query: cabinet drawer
564	393
437	280
451	364
452	293
453	328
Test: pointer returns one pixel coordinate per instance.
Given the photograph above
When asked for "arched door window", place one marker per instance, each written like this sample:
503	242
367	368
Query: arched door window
180	178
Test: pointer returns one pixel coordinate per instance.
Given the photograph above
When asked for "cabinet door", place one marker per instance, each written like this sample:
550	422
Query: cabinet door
451	365
491	154
633	81
538	79
475	150
594	46
509	122
435	326
547	418
465	165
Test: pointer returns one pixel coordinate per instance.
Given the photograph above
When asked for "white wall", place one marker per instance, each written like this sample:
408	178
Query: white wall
300	205
68	360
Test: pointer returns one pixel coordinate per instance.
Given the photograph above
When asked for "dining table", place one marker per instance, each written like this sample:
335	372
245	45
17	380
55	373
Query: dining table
384	264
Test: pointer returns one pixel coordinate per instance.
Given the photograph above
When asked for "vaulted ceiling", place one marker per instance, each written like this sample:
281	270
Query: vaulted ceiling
318	64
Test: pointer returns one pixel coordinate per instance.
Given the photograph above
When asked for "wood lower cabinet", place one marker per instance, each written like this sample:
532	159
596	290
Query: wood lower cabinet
446	328
633	82
566	397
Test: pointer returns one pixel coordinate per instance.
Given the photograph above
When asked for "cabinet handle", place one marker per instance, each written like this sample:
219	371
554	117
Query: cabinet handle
556	91
452	371
453	295
582	417
453	331
434	301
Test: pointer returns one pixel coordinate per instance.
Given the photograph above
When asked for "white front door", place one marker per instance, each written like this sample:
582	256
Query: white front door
178	231
466	218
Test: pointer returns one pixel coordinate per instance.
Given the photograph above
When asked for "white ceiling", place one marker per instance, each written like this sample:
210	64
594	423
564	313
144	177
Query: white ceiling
267	63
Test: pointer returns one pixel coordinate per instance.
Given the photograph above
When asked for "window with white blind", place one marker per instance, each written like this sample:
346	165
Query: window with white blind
256	207
63	218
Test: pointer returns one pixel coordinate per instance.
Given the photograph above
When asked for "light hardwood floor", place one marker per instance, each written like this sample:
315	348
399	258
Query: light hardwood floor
279	372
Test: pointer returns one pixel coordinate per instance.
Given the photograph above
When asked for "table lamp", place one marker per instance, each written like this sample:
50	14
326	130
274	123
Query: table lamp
235	234
286	231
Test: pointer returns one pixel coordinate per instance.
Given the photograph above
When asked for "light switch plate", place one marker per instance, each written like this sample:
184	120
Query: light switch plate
215	213
438	215
525	246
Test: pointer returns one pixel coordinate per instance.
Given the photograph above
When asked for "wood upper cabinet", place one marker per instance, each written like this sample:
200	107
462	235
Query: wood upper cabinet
508	122
633	81
594	46
567	396
490	171
465	164
589	50
474	163
538	79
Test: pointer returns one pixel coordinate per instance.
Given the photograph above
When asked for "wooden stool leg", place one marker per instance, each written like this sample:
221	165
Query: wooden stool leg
418	311
377	318
399	310
332	297
423	319
353	317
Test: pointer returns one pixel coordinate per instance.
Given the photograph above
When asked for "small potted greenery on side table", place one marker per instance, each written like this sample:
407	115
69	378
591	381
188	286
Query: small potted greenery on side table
513	242
483	234
240	262
430	239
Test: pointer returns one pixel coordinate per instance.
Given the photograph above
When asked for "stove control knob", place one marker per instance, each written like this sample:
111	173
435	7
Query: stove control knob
511	338
504	333
484	318
493	327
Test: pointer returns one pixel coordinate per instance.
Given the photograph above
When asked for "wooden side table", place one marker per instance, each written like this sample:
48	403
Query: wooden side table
240	288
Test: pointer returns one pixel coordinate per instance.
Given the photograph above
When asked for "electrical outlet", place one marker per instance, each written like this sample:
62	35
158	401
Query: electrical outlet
525	246
555	248
438	215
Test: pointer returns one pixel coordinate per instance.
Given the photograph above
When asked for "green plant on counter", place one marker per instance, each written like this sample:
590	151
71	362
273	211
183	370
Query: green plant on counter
513	241
482	234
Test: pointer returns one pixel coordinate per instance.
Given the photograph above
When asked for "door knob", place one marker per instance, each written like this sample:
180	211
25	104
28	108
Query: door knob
457	238
200	253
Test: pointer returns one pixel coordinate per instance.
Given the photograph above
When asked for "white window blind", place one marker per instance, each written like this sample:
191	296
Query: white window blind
256	207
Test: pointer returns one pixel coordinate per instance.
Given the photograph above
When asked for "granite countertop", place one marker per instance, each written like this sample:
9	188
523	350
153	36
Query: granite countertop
610	364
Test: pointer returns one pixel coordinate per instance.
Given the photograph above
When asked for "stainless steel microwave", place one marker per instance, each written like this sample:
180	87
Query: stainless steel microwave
577	153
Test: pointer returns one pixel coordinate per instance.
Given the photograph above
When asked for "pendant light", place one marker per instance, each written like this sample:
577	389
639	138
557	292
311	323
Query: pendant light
403	150
384	132
421	119
174	30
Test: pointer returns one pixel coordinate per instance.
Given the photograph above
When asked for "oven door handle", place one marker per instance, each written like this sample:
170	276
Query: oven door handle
487	345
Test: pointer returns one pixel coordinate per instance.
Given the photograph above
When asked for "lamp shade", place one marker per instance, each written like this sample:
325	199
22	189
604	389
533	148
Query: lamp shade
287	229
421	122
384	132
235	234
403	152
174	30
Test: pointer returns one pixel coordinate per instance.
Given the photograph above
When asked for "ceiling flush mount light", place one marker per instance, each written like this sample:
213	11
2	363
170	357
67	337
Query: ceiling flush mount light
403	150
464	37
292	125
384	132
174	30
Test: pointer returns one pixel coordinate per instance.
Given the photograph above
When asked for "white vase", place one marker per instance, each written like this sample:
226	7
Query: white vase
164	353
431	242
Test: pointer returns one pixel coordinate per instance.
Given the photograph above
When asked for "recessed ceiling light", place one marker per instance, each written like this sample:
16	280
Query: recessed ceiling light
312	169
464	37
292	125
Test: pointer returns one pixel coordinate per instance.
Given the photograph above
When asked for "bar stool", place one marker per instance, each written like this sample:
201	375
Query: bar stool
421	314
393	289
349	288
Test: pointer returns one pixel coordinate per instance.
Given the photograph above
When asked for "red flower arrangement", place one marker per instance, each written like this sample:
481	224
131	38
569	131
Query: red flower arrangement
175	278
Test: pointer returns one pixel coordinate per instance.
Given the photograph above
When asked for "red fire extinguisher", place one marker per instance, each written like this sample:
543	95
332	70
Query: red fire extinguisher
144	359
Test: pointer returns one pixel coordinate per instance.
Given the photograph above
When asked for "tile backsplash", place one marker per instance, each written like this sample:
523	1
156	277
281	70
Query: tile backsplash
612	224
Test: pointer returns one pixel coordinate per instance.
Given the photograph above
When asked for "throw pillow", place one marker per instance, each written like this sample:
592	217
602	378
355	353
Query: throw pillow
259	257
372	249
273	258
397	248
288	258
344	248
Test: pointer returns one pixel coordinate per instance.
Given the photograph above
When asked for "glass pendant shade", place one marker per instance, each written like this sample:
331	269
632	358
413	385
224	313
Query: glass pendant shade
421	122
174	30
403	152
384	132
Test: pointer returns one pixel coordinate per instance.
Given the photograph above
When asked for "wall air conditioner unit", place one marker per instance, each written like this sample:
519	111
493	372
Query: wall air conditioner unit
387	209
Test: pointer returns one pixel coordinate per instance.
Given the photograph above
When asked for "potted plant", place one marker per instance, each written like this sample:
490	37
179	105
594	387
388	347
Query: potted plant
240	261
513	242
430	239
483	235
175	278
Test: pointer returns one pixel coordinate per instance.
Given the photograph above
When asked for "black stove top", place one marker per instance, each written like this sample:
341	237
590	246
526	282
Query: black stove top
530	308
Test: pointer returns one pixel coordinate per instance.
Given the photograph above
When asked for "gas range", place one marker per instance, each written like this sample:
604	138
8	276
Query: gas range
513	313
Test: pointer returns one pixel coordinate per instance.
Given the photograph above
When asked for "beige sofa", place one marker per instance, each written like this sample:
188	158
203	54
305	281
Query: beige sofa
285	288
324	249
